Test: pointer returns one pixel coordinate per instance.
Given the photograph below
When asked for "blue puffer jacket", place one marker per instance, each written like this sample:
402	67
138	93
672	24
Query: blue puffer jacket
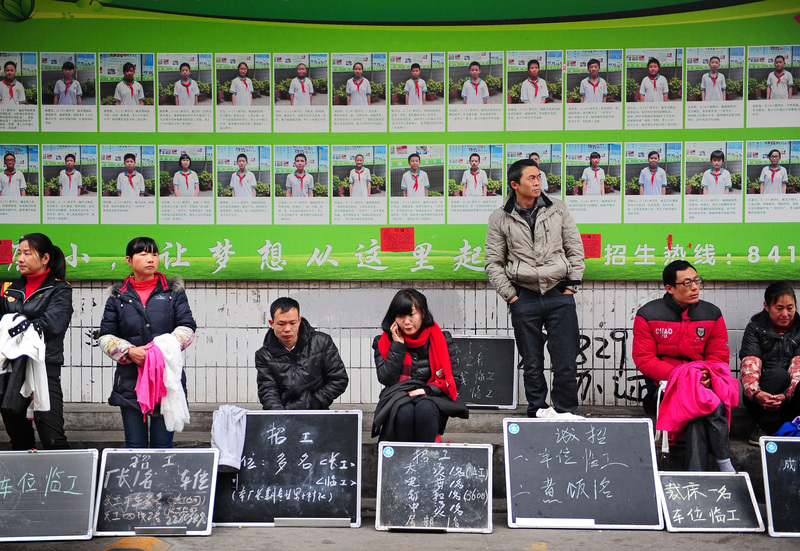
126	317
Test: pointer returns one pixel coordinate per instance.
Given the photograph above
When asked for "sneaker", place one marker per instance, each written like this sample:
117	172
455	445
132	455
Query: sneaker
568	415
755	435
548	413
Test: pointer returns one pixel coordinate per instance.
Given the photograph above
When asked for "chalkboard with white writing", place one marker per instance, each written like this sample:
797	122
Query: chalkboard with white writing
299	468
780	457
486	374
581	473
434	487
709	502
156	491
47	495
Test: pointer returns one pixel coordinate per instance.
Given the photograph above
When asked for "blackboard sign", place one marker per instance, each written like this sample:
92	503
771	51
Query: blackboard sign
47	495
299	468
434	487
582	473
156	491
780	457
709	502
487	374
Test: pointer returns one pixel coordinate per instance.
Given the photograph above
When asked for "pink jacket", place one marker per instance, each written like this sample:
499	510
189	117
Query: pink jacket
150	388
686	399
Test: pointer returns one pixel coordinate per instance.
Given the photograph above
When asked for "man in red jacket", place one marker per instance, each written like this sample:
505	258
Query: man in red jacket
676	329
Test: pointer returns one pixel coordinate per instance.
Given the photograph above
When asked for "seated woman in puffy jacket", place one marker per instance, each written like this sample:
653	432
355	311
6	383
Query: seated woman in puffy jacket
770	355
414	359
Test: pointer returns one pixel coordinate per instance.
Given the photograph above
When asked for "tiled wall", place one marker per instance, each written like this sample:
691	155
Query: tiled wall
232	321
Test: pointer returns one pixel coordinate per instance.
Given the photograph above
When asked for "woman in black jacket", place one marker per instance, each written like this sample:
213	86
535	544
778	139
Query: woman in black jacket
140	309
414	359
770	355
44	300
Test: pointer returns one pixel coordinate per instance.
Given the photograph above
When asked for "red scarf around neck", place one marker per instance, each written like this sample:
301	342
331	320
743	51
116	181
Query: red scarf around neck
438	355
33	282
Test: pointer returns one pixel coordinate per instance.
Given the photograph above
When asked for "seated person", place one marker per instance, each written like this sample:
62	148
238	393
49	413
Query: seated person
770	355
298	367
683	340
414	359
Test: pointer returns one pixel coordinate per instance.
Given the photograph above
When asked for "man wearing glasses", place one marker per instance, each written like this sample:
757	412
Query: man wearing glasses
668	334
534	260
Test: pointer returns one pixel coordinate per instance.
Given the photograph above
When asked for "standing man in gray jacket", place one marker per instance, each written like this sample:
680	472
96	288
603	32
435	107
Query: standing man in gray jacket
534	260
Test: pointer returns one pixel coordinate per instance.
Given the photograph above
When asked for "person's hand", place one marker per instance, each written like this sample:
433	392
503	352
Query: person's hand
416	392
397	335
569	292
137	354
769	401
513	300
705	378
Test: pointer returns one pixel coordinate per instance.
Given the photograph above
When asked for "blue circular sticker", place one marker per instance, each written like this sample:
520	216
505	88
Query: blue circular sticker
771	447
513	428
388	451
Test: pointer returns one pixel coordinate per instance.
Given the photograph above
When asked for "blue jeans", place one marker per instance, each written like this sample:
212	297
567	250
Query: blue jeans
136	430
555	312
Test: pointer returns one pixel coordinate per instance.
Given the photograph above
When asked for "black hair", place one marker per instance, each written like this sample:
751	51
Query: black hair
715	57
774	151
184	64
40	243
670	274
7	154
531	154
593	61
401	305
303	64
68	155
717	154
283	304
777	290
474	155
68	66
141	244
358	155
240	155
533	62
474	64
654	60
653	153
128	66
594	155
776	58
358	63
415	66
129	156
303	155
516	169
10	63
414	155
243	63
185	156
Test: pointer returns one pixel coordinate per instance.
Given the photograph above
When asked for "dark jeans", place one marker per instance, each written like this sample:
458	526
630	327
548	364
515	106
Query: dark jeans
417	421
709	432
49	424
774	381
136	430
555	312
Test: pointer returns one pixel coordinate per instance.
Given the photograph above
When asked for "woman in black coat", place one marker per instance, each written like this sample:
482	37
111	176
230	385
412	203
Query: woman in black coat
140	309
414	359
44	300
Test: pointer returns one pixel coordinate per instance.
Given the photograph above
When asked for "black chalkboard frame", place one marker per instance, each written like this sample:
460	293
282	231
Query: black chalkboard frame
770	445
383	449
213	456
508	372
512	425
313	521
86	501
695	476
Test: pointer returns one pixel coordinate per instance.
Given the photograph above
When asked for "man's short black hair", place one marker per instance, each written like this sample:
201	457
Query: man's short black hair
515	170
283	304
670	274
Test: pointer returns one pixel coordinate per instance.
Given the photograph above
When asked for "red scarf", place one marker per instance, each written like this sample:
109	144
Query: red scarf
778	76
359	173
303	191
713	78
653	176
358	84
130	178
69	175
655	80
187	88
416	87
130	85
186	177
34	281
416	181
438	354
476	84
302	85
13	82
594	86
774	172
536	86
144	288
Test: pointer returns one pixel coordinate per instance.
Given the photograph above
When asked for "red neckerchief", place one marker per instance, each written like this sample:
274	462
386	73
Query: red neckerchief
187	88
130	178
186	177
438	354
13	82
69	175
476	86
535	84
9	174
416	180
358	84
66	85
716	176
778	76
241	178
596	170
475	176
654	80
653	175
303	177
774	171
244	81
713	78
302	84
359	172
416	88
130	85
33	282
594	86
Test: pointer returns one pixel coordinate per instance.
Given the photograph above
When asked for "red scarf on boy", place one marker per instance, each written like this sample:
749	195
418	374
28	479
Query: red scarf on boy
438	354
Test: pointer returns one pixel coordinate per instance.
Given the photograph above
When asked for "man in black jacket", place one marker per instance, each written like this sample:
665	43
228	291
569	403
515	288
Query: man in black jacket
298	367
